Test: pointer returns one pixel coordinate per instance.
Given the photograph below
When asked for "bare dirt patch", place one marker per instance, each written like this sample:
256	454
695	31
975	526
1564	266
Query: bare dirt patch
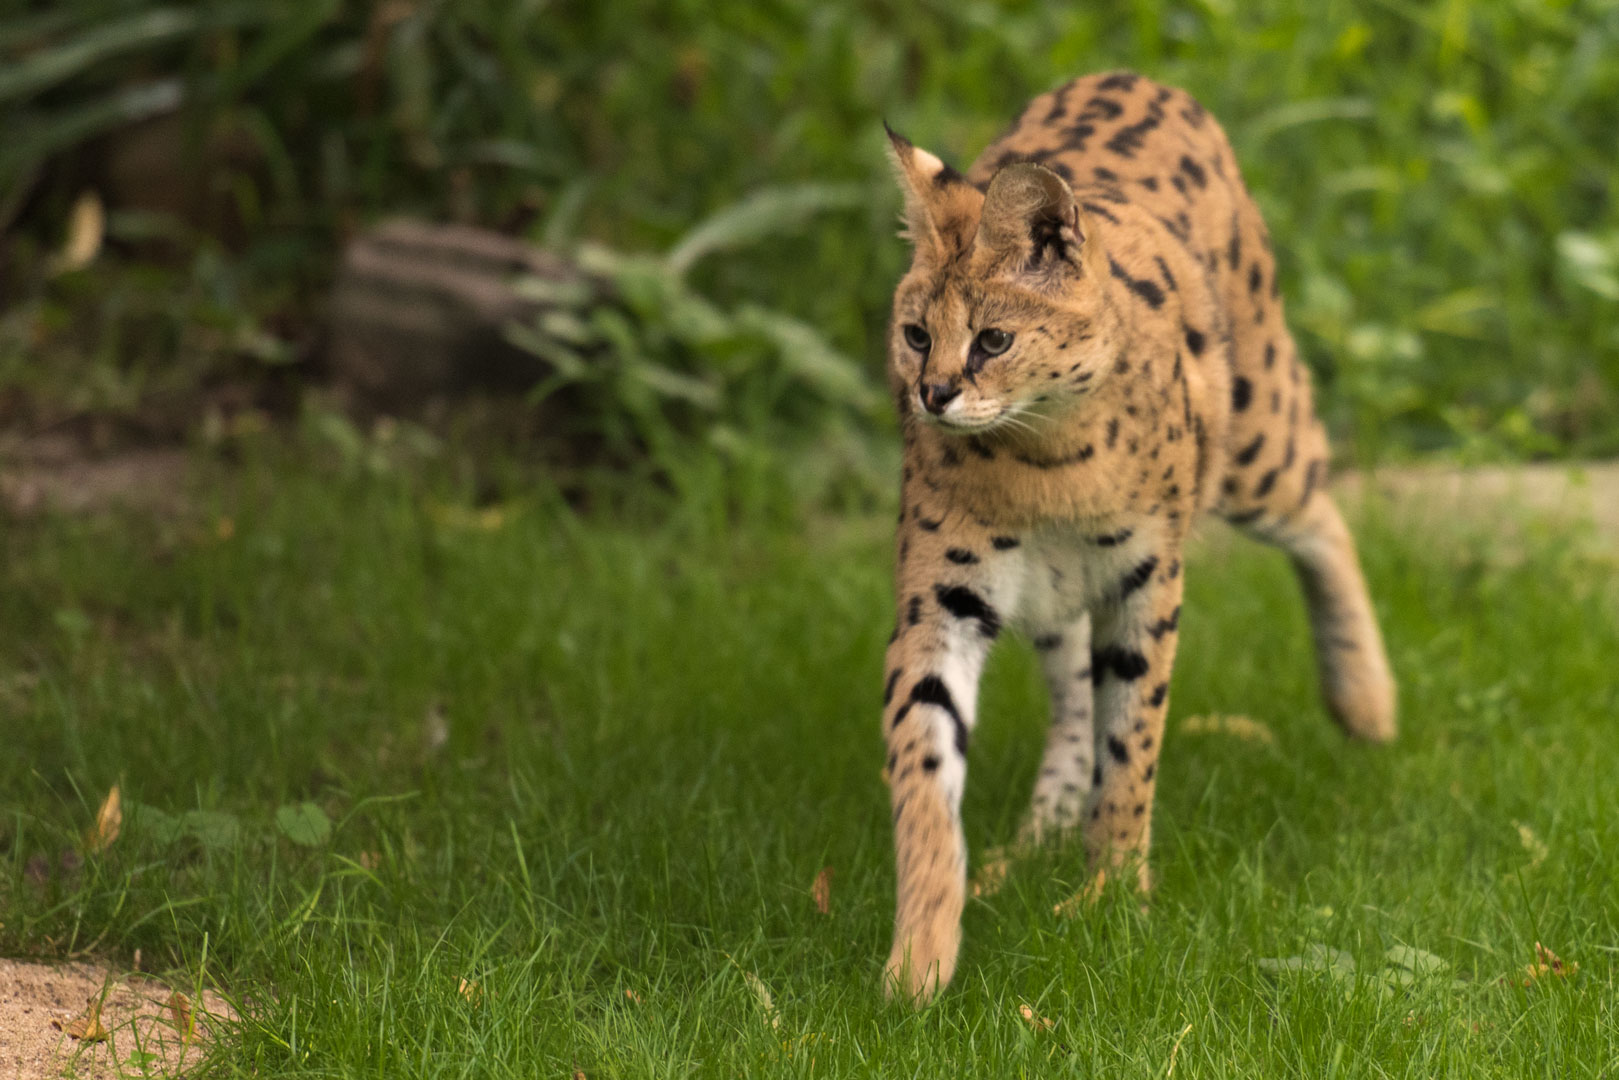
1571	494
57	474
132	1025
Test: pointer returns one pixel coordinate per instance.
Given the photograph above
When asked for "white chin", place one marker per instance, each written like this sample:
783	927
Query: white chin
962	425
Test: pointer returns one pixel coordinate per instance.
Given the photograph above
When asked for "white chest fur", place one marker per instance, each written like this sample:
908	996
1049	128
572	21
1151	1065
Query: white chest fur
1065	572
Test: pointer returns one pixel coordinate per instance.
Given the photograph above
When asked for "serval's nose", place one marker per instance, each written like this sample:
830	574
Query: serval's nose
935	396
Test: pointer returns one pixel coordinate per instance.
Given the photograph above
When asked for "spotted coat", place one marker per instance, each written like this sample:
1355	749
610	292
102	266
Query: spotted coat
1088	351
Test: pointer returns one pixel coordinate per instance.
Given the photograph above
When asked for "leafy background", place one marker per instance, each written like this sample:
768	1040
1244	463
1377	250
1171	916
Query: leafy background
1438	176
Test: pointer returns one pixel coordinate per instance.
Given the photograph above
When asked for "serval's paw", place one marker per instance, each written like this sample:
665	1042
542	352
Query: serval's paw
921	964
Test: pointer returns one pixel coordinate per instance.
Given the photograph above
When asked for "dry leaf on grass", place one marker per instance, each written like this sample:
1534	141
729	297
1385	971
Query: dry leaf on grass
180	1014
632	995
762	992
1034	1020
109	822
992	872
1534	845
1242	727
87	228
473	519
1548	965
821	891
471	991
1174	1051
87	1025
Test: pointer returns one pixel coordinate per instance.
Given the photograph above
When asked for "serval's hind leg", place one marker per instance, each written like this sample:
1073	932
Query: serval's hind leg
1067	770
1355	676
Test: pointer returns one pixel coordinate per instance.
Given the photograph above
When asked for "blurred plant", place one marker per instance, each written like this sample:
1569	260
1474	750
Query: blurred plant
1438	180
662	363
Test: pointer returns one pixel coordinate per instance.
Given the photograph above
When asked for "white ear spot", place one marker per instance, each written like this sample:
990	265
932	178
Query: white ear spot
926	163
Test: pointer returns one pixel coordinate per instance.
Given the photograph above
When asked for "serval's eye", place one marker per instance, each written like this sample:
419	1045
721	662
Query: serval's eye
994	342
917	338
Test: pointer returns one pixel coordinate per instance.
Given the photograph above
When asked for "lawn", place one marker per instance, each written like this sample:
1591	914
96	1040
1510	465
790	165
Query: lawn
583	765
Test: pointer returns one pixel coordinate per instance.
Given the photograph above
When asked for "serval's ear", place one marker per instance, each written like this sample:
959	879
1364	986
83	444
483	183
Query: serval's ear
940	205
1031	219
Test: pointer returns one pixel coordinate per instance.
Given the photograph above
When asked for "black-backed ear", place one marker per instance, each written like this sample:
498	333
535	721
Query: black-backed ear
939	202
1030	213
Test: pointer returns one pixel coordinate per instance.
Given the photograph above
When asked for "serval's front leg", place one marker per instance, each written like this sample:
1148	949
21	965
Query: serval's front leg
1131	657
949	613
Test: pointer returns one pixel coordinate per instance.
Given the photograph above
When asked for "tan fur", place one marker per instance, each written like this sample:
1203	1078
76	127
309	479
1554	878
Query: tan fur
1150	377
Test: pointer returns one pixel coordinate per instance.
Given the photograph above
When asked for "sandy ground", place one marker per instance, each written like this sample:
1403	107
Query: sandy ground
40	1003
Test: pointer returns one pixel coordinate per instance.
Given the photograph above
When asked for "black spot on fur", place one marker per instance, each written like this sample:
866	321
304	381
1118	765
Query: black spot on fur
1255	278
888	690
1312	477
1165	625
1120	752
1147	290
1003	543
963	603
1163	269
1266	482
1083	454
1194	171
1194	341
930	764
1159	692
1102	108
1131	137
927	524
1119	80
1125	664
961	556
931	690
913	612
1138	577
1242	393
1112	432
1246	455
1270	355
1100	211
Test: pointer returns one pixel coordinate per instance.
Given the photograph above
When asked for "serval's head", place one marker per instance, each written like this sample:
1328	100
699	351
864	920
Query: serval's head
1001	318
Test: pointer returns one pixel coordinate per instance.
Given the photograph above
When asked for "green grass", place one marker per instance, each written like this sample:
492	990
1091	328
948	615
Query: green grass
662	725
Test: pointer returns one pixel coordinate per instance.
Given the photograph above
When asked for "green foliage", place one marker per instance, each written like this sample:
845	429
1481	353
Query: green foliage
660	364
1438	177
